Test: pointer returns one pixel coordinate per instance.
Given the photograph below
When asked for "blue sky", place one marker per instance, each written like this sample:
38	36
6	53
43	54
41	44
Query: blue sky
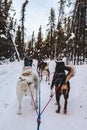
37	13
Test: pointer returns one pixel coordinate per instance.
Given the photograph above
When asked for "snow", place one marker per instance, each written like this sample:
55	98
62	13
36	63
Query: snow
72	36
2	35
76	117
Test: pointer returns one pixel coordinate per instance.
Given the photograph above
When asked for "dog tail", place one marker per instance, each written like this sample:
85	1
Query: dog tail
71	74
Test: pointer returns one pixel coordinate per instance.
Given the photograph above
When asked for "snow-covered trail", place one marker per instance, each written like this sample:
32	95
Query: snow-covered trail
8	102
76	117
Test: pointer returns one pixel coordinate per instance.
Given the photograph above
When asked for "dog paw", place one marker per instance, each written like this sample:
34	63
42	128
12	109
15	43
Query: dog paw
56	103
19	113
65	112
51	95
48	83
57	111
36	107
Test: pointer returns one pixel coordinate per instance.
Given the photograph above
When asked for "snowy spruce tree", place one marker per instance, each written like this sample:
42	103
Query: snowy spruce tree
6	25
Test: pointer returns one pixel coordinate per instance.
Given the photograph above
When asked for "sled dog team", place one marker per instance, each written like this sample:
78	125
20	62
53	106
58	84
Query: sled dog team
27	83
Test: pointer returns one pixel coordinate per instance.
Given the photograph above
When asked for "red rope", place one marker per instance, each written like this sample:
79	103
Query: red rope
33	101
50	99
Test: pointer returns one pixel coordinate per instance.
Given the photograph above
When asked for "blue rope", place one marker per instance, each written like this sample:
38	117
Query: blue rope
39	101
39	105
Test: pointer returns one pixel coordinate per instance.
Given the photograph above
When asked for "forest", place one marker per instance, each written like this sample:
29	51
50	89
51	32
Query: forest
59	42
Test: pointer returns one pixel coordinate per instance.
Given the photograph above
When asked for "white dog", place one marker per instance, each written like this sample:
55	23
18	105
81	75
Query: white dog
27	85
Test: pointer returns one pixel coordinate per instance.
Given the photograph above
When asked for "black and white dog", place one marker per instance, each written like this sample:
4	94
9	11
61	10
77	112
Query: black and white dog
27	84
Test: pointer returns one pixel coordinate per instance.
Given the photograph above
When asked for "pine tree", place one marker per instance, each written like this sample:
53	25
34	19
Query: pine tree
33	44
51	30
22	26
61	10
60	41
5	22
39	43
47	47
